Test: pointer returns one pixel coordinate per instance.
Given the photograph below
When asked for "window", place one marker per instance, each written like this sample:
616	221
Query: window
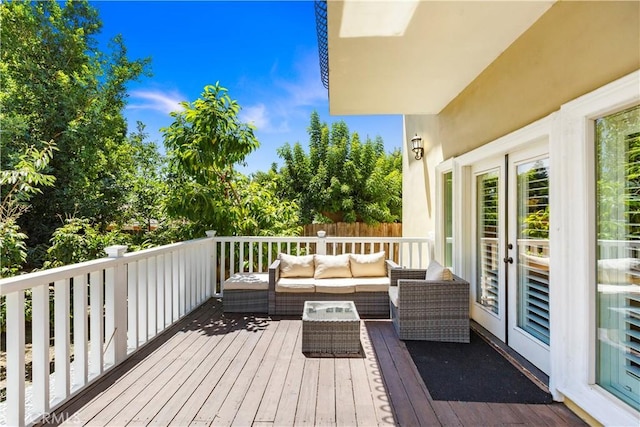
618	254
488	281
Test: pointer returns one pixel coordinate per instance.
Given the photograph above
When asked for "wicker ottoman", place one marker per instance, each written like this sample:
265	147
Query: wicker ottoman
330	327
246	293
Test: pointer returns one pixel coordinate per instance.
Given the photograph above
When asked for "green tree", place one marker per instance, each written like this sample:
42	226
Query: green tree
342	178
204	143
147	187
57	86
17	187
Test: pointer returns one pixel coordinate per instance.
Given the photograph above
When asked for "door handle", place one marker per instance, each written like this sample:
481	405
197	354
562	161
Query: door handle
508	260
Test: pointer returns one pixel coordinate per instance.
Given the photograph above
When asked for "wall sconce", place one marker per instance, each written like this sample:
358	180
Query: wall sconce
417	147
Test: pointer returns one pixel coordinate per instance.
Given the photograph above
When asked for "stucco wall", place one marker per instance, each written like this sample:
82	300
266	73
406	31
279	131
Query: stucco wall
573	49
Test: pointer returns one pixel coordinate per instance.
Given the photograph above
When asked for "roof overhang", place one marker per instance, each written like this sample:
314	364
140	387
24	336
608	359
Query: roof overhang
414	57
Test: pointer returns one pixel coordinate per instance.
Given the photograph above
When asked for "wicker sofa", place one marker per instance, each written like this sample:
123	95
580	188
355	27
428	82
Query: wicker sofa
431	310
361	278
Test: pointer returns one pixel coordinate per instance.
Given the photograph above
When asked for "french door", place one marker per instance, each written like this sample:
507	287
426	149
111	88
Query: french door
511	265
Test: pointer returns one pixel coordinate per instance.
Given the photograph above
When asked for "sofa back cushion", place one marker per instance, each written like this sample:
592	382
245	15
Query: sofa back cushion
368	265
330	266
435	271
296	266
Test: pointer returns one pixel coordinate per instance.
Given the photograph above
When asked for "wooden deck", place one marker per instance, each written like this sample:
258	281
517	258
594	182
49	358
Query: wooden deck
211	369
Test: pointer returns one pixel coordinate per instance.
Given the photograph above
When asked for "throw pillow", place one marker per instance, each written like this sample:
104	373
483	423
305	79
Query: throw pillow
436	271
296	266
368	265
328	266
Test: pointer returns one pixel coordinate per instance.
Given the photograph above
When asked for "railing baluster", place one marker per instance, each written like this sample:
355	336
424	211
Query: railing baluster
80	332
132	306
168	289
15	359
160	289
184	290
177	295
40	348
61	328
96	365
152	295
143	306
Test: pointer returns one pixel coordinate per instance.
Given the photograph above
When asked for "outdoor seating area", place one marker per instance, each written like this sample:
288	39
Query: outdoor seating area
361	278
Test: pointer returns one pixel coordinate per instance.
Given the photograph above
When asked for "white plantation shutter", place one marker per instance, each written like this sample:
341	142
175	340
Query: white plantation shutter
488	226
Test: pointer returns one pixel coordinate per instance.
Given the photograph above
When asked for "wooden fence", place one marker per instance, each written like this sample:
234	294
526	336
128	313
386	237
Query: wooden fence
355	229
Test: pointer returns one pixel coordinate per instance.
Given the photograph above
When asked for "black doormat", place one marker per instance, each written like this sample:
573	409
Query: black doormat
473	372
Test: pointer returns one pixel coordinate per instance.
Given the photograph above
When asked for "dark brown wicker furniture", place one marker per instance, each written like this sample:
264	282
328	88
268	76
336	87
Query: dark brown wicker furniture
429	310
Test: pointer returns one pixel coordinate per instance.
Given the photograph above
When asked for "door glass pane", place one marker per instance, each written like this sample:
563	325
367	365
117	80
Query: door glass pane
448	219
618	253
487	280
533	248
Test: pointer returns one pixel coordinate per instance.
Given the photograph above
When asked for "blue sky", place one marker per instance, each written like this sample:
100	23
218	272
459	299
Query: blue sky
264	52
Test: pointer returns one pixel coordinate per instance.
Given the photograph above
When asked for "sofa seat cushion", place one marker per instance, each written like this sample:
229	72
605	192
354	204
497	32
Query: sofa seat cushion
331	266
368	265
295	284
296	266
371	284
393	295
247	281
335	286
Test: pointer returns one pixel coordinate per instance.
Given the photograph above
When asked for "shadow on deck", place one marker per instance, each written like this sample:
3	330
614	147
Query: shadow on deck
216	369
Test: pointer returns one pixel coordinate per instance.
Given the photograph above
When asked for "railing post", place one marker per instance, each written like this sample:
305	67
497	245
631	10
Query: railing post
116	307
321	244
211	271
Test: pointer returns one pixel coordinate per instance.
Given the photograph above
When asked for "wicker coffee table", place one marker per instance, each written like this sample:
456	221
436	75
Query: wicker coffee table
330	327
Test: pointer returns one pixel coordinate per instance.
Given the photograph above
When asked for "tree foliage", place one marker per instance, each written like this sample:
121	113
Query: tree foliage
203	144
56	86
342	178
17	187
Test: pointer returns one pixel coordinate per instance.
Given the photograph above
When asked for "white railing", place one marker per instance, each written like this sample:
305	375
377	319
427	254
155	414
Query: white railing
255	254
102	312
105	310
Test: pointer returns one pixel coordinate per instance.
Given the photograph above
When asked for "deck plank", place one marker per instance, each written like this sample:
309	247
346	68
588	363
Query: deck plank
446	415
399	399
326	395
130	375
411	380
383	412
221	390
217	369
252	399
287	406
159	388
189	410
345	403
272	395
227	412
306	410
182	394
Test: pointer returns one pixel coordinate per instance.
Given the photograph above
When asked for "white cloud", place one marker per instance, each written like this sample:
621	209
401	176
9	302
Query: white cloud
260	117
165	102
292	102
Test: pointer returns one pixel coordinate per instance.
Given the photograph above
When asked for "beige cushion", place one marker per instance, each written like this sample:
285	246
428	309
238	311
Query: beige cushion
247	281
368	265
616	270
329	266
435	271
371	284
295	284
335	286
296	266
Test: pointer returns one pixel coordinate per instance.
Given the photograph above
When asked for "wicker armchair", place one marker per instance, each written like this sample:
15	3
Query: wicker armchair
429	310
